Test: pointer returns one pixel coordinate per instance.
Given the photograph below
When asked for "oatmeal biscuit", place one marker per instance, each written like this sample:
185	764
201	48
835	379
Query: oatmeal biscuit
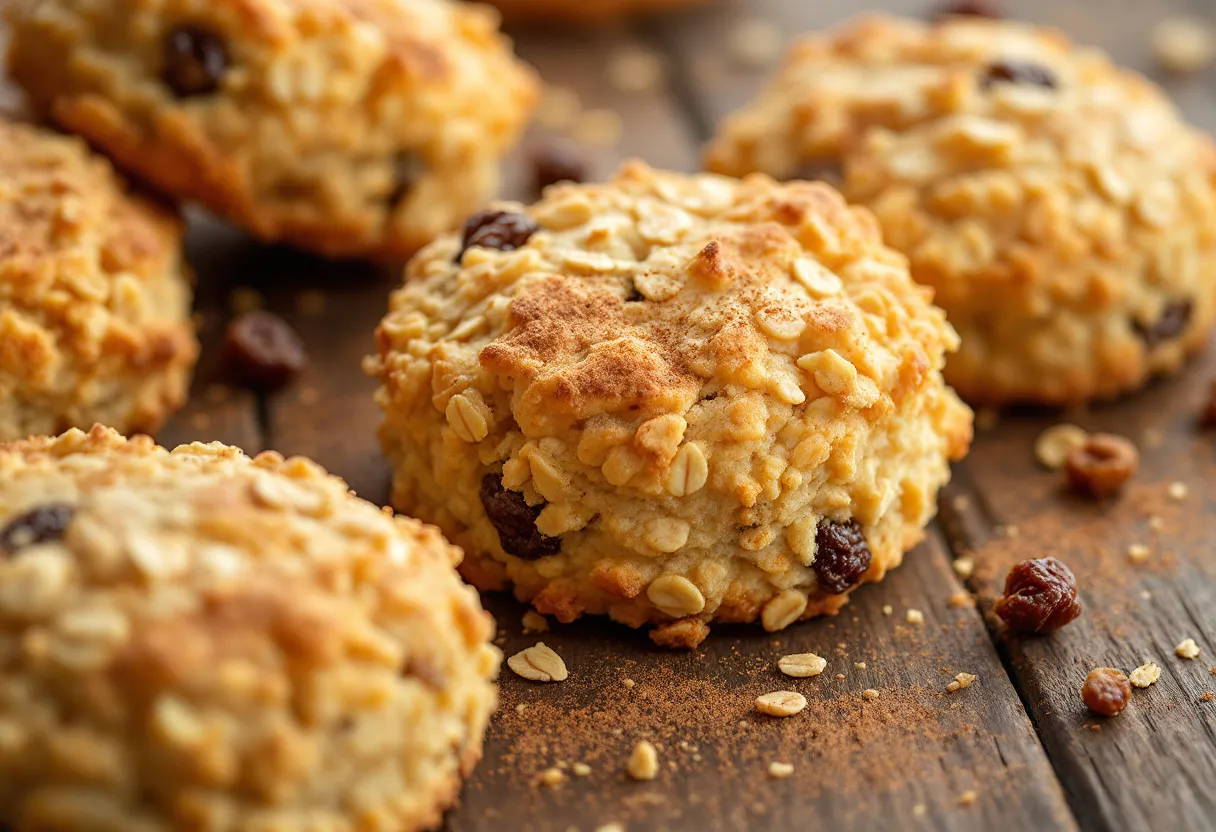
94	297
1060	208
671	400
348	127
584	12
196	640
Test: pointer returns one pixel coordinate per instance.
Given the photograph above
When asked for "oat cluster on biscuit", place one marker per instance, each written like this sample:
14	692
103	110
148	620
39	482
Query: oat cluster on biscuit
1061	209
201	640
94	297
663	401
348	127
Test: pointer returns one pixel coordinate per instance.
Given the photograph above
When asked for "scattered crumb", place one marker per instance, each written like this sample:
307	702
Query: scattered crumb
539	664
755	43
580	769
643	762
1145	675
1156	523
964	567
551	777
1138	553
870	693
914	617
780	703
967	798
559	107
802	665
986	418
1055	444
1153	438
887	609
840	676
602	128
311	303
962	502
780	770
243	299
534	622
1187	649
960	600
1178	491
629	683
919	809
1183	44
634	69
859	665
962	680
521	707
1208	697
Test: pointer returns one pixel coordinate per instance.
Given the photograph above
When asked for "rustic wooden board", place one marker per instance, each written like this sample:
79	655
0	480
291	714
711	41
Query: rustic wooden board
905	759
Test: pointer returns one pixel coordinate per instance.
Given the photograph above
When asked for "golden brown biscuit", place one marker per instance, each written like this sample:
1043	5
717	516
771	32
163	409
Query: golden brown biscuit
671	400
1062	211
196	640
94	296
349	127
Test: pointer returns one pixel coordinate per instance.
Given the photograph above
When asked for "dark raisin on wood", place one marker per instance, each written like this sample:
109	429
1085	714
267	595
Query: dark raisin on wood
842	555
1011	71
195	60
262	351
515	521
1106	691
43	524
1102	465
1040	596
408	169
1174	319
556	160
969	8
501	230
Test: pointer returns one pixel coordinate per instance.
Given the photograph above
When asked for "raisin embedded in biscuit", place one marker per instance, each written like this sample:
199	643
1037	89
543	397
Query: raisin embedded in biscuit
1059	207
670	399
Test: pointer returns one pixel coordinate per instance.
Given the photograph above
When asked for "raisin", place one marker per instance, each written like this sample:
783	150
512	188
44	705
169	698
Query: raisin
1208	418
502	230
195	61
1102	466
515	521
842	555
1011	71
1040	596
1106	691
408	169
970	8
556	161
262	351
426	670
40	525
1175	318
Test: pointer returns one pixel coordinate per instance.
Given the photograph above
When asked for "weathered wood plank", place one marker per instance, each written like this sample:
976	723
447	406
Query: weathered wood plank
1153	766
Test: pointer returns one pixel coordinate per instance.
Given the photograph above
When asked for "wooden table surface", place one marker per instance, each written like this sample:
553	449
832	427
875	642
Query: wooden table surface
1016	750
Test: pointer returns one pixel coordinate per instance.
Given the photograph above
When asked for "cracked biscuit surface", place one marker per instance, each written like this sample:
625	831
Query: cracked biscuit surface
94	296
584	11
1062	211
196	640
348	127
670	399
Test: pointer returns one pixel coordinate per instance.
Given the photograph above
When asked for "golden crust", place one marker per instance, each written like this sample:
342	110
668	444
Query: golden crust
219	642
585	12
1057	225
349	127
94	302
683	376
